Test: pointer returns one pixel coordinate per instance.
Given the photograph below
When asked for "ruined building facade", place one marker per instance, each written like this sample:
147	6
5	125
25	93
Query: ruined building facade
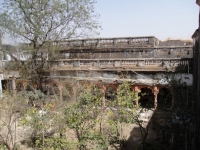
147	63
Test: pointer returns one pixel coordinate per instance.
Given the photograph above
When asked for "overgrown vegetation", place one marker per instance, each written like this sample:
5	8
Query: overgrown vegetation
82	124
34	118
177	129
38	25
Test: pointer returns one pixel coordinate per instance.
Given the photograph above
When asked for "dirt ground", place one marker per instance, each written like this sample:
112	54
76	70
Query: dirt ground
133	132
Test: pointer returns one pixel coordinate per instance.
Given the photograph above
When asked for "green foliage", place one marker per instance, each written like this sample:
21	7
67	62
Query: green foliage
12	107
90	96
125	96
123	104
121	114
55	143
2	146
82	117
93	125
38	25
44	122
39	21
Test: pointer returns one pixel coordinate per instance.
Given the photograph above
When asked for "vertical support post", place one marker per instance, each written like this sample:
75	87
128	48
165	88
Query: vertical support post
136	90
24	83
155	92
14	85
60	87
155	100
137	99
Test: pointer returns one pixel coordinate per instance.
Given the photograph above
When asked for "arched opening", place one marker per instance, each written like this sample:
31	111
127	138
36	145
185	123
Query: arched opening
5	85
164	98
146	98
19	86
110	93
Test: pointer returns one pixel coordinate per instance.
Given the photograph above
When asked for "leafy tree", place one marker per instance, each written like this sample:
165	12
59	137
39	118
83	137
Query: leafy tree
12	108
96	127
44	121
39	23
122	113
82	117
125	96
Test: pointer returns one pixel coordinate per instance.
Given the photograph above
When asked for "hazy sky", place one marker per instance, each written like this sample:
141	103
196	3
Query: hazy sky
161	18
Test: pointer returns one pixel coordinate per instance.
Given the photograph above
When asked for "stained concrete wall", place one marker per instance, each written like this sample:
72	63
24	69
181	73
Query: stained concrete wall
164	52
134	77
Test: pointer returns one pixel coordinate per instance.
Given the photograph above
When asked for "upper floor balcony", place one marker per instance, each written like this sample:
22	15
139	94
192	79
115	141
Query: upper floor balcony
149	41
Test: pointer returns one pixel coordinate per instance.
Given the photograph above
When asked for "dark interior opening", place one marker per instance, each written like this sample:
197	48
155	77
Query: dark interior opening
110	93
164	98
146	98
4	84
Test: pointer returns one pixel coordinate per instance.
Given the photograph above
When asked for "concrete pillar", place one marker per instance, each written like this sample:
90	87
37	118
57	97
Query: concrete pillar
13	81
60	87
137	99
24	84
155	92
155	100
136	90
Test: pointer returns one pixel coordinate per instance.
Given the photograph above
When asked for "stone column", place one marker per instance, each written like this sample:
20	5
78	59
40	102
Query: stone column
24	84
60	87
137	99
155	92
136	90
13	85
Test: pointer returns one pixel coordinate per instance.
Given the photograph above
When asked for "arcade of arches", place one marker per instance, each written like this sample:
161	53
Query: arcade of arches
146	96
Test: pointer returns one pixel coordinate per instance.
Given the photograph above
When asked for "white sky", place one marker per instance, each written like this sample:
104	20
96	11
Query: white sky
160	18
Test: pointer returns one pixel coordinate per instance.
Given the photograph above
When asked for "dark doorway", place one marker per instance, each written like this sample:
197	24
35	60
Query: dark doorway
6	85
110	93
146	98
164	98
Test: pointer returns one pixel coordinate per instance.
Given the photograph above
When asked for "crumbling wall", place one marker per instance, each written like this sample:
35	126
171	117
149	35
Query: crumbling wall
159	52
175	43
